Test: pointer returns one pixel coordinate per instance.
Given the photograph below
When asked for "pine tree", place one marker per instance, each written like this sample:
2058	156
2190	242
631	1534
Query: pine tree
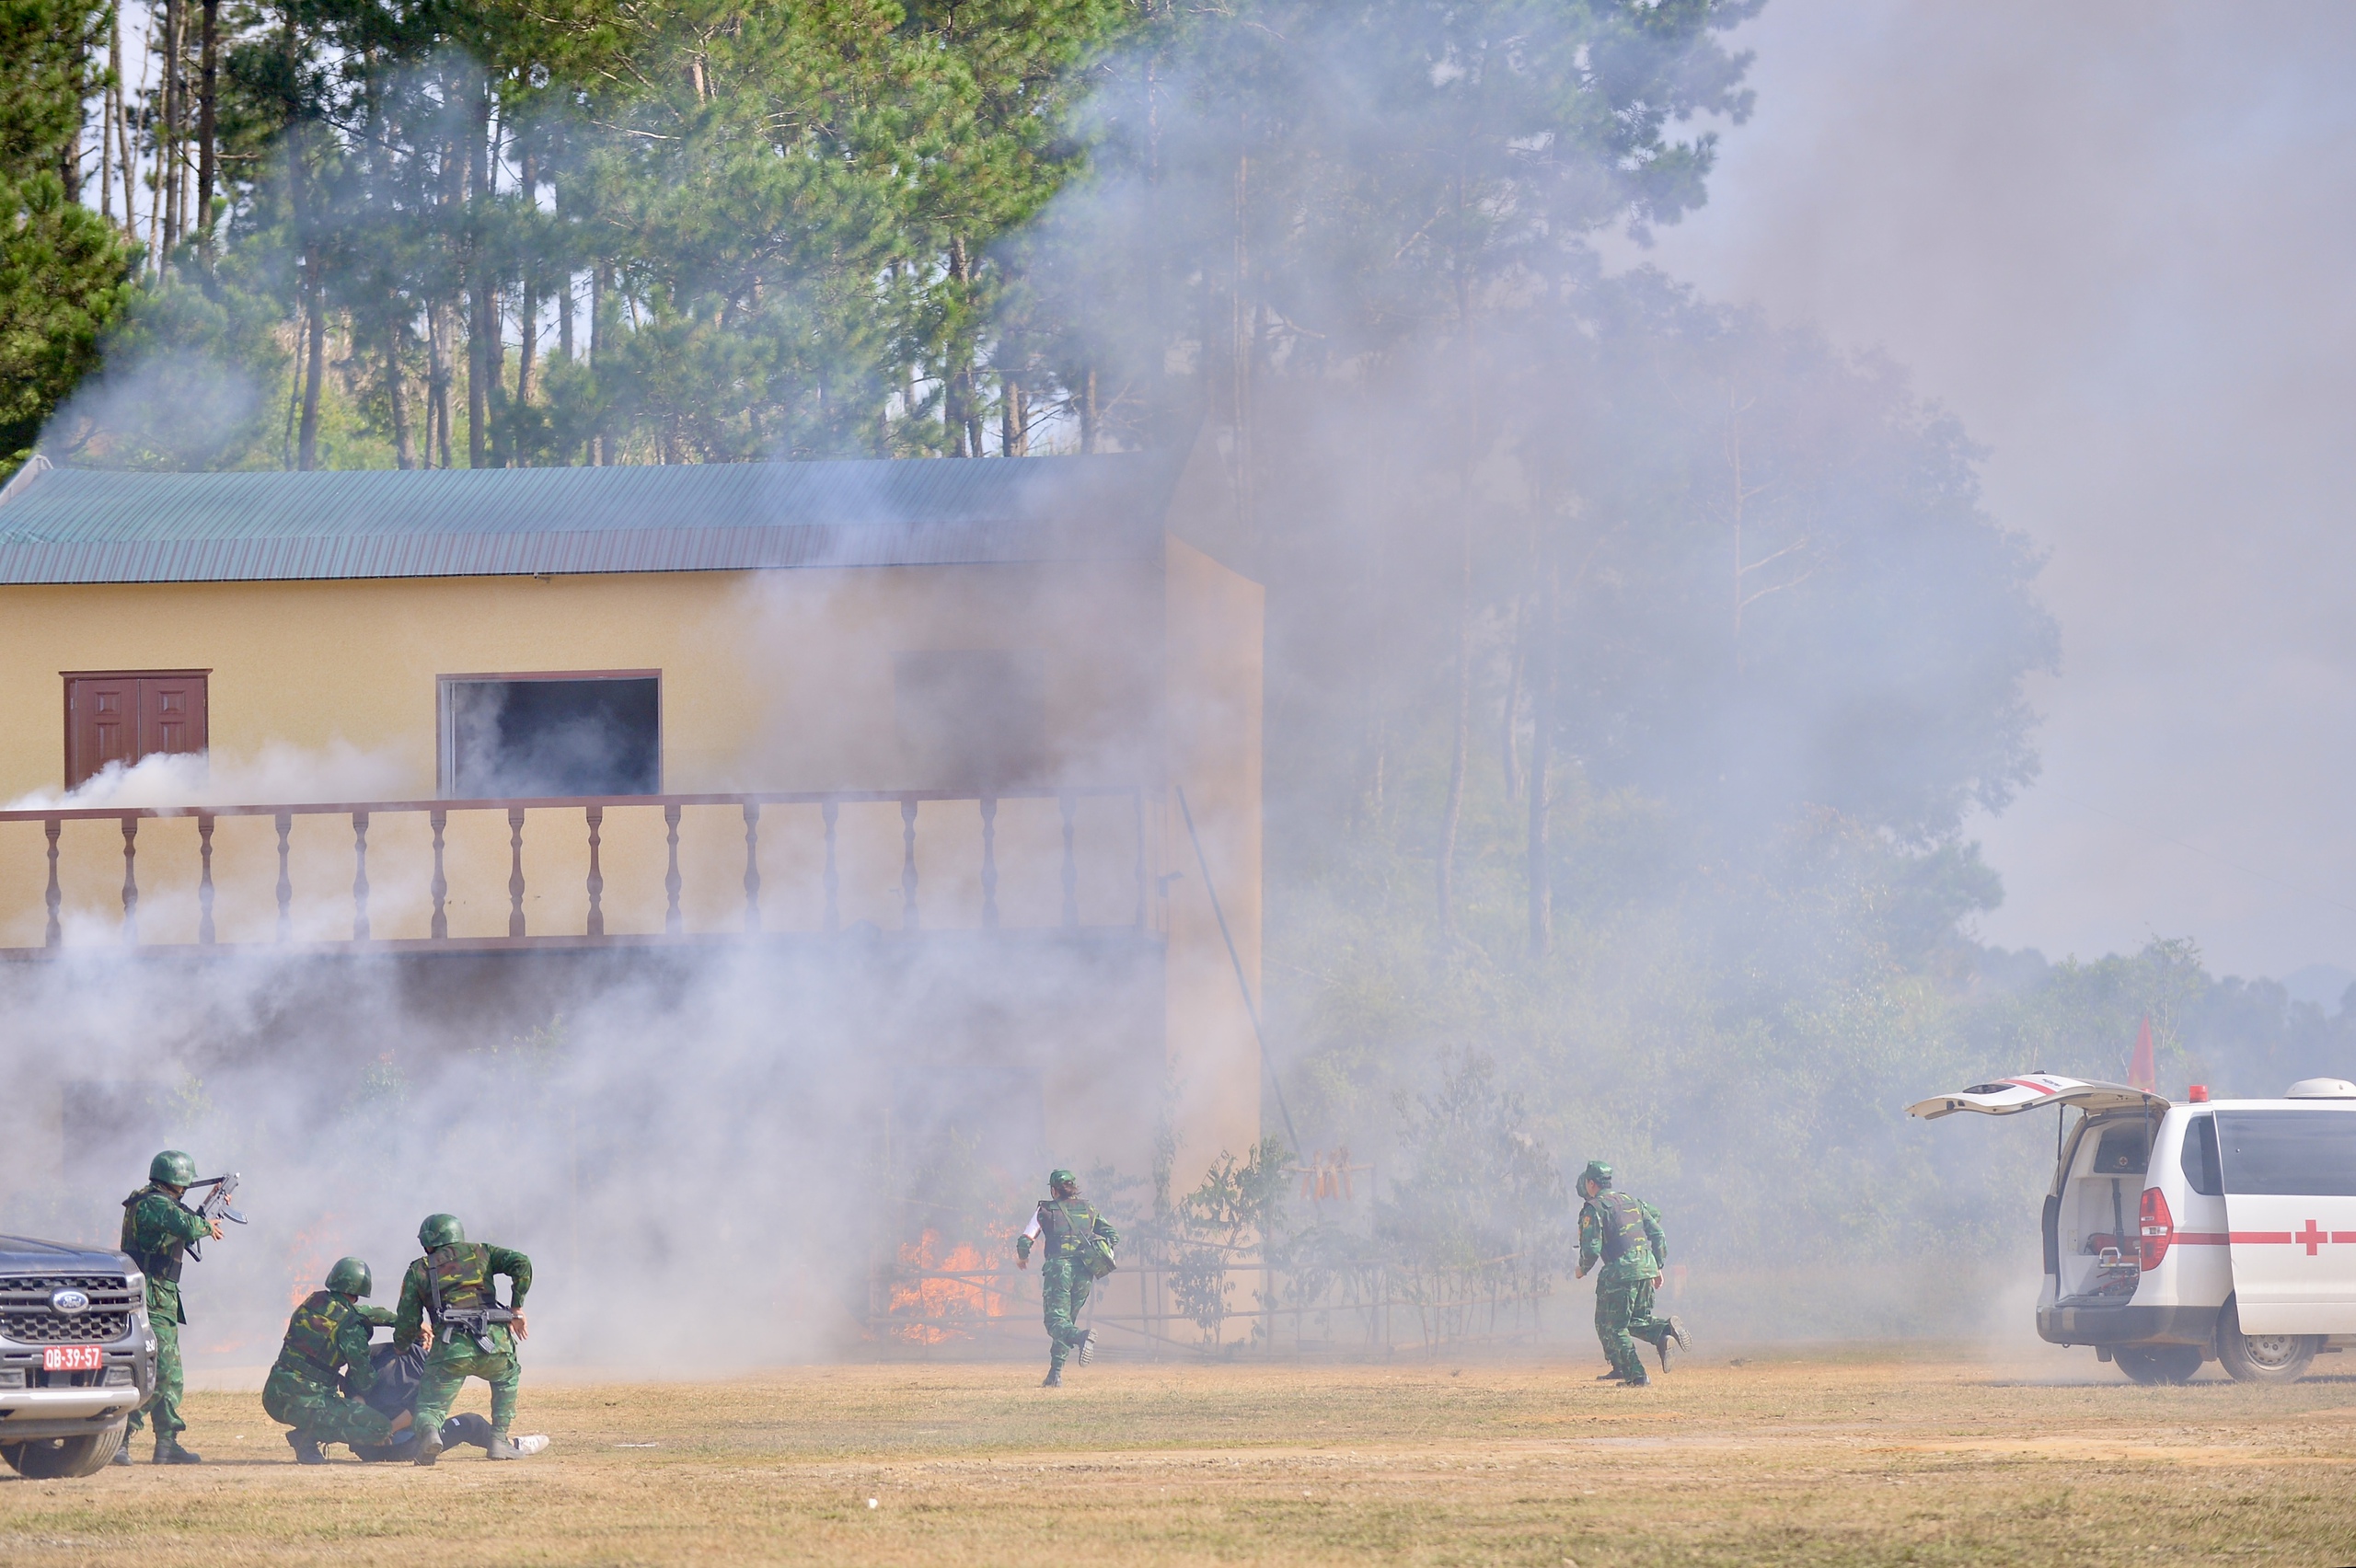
63	275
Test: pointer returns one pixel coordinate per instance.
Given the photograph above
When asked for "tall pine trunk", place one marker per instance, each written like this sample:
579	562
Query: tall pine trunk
527	318
208	80
397	395
167	155
483	315
1542	758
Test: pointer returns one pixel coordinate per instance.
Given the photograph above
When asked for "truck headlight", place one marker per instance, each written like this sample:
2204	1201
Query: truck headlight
135	1283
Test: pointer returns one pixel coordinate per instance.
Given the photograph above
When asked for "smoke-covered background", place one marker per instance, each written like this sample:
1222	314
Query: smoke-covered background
1693	523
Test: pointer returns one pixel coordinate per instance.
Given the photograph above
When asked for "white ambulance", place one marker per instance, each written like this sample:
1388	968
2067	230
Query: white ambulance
2176	1233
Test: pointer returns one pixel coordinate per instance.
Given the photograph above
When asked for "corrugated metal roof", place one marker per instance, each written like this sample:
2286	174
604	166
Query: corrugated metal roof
105	526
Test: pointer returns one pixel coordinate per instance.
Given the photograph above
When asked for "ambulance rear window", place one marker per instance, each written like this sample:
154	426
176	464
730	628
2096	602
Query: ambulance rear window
2200	1158
2124	1151
2308	1154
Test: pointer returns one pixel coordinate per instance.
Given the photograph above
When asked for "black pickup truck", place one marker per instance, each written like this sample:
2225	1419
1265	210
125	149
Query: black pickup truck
77	1355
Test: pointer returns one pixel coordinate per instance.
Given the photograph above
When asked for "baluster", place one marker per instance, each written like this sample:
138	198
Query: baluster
359	876
204	878
54	935
441	887
596	877
672	923
514	870
908	865
1137	801
833	882
130	881
286	883
989	861
1070	805
752	866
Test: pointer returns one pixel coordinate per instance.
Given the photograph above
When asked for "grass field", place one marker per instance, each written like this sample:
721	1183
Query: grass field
1783	1460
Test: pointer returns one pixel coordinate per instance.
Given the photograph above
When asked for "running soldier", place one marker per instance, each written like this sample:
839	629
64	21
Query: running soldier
310	1388
474	1337
1076	1246
1624	1232
156	1230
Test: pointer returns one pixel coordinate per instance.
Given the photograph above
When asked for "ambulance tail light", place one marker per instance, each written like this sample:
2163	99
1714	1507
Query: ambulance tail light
2159	1228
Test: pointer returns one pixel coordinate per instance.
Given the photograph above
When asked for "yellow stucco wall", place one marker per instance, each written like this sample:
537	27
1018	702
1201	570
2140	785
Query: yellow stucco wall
1213	708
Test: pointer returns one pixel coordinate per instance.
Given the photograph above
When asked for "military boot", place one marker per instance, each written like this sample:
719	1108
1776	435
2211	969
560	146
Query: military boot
1087	1348
499	1447
123	1451
1641	1380
306	1449
429	1447
1675	1331
169	1452
1611	1377
1054	1379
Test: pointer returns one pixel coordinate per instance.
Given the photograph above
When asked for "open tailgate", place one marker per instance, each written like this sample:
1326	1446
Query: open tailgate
2035	1092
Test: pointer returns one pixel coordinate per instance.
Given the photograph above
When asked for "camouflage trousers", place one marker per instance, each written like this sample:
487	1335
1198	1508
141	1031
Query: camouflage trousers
1063	1295
1623	1314
323	1414
454	1361
165	1402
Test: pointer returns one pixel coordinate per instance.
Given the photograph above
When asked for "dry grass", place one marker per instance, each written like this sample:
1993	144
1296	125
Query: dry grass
1790	1460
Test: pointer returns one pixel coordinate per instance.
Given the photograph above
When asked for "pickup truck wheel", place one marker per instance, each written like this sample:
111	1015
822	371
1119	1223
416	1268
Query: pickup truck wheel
2154	1364
2262	1358
67	1458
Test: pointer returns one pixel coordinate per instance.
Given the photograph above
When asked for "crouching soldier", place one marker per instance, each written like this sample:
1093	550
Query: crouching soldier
310	1388
1076	1246
1623	1233
474	1337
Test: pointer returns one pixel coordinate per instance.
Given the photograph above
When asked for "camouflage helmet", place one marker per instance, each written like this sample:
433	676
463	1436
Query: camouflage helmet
1059	1177
440	1230
171	1168
1598	1172
350	1277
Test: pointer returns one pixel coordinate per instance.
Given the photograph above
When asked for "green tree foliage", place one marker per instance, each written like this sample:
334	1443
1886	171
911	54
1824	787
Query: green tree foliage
63	274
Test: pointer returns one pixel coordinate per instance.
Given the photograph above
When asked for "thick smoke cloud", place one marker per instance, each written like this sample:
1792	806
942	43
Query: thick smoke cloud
2107	235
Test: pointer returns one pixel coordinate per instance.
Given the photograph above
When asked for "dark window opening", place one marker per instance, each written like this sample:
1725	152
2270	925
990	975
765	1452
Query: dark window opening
130	714
2292	1154
2200	1158
519	737
2123	1151
971	720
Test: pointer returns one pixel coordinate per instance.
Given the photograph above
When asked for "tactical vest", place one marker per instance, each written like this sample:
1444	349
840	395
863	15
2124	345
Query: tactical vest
164	1265
1065	1226
1623	1225
458	1277
312	1332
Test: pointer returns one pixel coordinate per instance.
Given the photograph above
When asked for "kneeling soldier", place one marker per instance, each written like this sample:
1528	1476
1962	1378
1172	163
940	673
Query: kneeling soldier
474	1337
328	1333
1077	1245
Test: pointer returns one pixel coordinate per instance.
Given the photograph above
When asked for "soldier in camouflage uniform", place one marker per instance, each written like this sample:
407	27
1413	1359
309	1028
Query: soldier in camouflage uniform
156	1230
329	1332
454	1278
1623	1233
1077	1246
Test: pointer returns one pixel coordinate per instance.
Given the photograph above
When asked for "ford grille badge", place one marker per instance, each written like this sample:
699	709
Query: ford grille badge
68	1302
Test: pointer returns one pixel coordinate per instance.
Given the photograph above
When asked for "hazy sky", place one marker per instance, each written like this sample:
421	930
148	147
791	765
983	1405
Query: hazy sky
2119	242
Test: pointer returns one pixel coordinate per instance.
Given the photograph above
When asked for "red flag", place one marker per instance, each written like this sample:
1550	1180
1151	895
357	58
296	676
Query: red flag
2142	1072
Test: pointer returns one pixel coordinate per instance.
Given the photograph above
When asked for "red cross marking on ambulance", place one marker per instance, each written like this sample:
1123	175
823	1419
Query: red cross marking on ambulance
2311	1237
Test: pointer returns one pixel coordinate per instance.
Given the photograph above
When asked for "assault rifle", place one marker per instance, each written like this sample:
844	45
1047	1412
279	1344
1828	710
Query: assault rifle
471	1323
215	1208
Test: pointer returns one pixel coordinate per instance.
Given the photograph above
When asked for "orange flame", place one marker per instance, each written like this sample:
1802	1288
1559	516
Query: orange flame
940	1297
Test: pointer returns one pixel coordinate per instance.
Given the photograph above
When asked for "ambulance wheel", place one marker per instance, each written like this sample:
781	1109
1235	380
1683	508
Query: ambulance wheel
2262	1358
2152	1363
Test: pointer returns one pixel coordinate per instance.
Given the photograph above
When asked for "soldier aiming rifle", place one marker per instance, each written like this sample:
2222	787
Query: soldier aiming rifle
161	1232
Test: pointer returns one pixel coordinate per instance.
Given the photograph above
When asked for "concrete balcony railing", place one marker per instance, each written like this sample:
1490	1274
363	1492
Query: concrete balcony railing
575	872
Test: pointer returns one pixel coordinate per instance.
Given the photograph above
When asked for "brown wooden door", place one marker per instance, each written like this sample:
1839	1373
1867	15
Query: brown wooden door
125	716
